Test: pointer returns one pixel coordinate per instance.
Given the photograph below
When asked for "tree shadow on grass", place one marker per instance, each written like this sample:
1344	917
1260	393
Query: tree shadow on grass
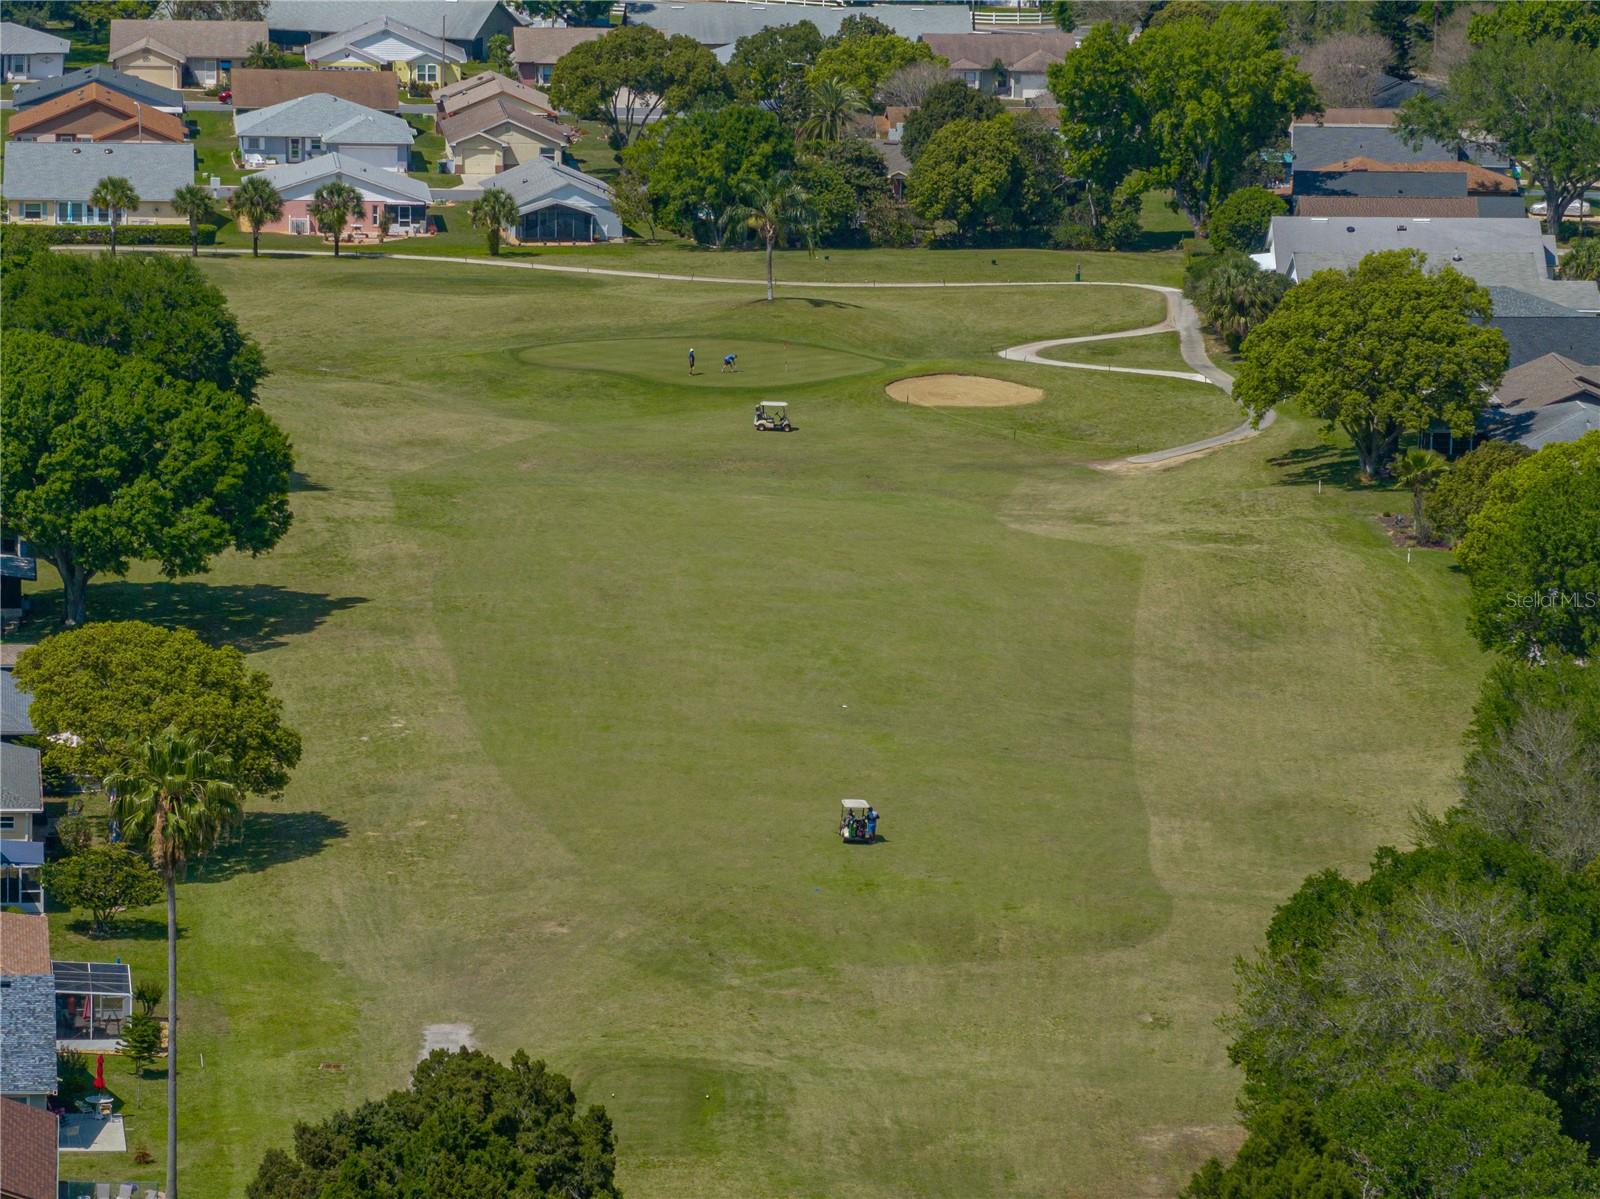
269	838
250	617
299	482
808	301
1159	239
1329	464
124	928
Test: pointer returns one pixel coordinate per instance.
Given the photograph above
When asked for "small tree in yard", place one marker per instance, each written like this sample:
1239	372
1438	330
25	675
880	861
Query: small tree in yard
105	879
141	1040
1465	488
385	223
1241	221
148	993
1416	471
777	209
1582	261
493	212
1233	294
116	195
332	206
194	202
499	47
255	202
74	834
1377	350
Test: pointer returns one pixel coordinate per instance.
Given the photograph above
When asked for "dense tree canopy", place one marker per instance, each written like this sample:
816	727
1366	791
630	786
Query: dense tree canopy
769	68
949	101
1531	20
1538	100
970	174
1378	350
114	682
633	73
104	880
1232	294
1242	220
864	62
467	1128
1465	487
156	307
1532	553
701	167
108	459
844	180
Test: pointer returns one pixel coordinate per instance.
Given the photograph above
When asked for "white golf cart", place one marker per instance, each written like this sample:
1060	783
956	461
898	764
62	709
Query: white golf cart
858	821
772	416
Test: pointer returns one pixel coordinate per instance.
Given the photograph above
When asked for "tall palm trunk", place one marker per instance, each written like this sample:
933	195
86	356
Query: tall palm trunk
255	242
194	239
113	235
172	1036
770	239
1418	525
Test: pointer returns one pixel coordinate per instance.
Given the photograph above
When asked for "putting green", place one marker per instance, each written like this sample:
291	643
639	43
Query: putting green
763	364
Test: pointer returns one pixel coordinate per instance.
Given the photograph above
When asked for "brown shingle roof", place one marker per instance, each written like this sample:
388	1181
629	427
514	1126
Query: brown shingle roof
548	45
1350	116
1480	180
258	89
28	1140
497	109
1396	206
191	39
486	84
137	118
1548	380
1016	51
24	944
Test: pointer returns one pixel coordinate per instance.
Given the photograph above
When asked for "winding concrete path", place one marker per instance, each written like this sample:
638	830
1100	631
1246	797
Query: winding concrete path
1181	315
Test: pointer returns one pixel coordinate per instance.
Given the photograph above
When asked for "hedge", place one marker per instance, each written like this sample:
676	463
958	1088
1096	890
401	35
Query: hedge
127	235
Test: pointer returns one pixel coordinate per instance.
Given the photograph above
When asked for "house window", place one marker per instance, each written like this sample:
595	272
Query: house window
33	210
7	823
255	144
316	146
428	72
970	78
544	71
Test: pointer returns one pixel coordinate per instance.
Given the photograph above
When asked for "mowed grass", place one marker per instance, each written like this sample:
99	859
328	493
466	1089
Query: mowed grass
1153	351
584	665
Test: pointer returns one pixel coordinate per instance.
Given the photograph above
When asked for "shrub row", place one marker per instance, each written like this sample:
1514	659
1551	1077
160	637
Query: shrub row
127	235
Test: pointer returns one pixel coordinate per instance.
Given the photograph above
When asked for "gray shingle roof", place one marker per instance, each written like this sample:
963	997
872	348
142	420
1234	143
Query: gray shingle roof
463	19
532	181
331	118
29	94
28	1034
70	171
1317	145
19	39
1440	185
1509	302
1572	335
20	789
192	39
350	170
715	24
428	42
14	705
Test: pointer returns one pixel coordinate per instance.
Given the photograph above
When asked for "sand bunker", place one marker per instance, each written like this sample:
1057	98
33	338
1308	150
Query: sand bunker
962	391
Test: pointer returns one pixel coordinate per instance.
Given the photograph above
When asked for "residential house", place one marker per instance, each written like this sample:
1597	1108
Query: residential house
417	58
95	113
484	85
890	124
323	124
1534	326
499	133
535	52
180	54
29	1145
1009	65
1548	400
1495	251
50	182
15	704
17	564
557	203
255	88
93	1003
719	26
1366	187
467	24
897	165
27	1010
21	826
405	198
1316	144
149	94
31	53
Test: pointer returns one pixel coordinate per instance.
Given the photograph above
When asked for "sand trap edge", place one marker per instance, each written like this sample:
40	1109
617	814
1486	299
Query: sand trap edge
961	391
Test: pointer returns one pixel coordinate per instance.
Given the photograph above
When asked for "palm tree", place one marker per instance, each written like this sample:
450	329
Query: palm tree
255	202
332	205
260	54
1417	470
1236	295
777	208
385	223
833	103
115	194
192	201
176	800
492	212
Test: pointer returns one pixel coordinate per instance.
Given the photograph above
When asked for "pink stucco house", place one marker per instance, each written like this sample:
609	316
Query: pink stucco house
405	198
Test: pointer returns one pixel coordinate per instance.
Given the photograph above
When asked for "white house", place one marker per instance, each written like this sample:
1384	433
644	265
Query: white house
31	53
557	203
322	124
385	44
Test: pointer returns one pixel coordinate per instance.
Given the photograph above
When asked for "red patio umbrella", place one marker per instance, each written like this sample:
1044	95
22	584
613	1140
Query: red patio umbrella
100	1073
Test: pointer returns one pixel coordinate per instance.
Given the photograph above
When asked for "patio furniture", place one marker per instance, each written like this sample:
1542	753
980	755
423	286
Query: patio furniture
102	1190
127	1191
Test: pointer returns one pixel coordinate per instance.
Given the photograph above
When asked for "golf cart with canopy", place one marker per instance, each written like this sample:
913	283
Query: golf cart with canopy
772	416
858	821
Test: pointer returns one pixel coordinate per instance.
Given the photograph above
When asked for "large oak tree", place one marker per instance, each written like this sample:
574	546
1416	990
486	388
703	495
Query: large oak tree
109	459
1379	350
633	74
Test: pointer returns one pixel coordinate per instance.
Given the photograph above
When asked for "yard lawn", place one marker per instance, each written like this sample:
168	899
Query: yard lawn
426	152
1154	351
584	665
214	144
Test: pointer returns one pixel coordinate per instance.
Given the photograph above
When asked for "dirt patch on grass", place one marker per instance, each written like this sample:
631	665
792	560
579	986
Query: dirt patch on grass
961	391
